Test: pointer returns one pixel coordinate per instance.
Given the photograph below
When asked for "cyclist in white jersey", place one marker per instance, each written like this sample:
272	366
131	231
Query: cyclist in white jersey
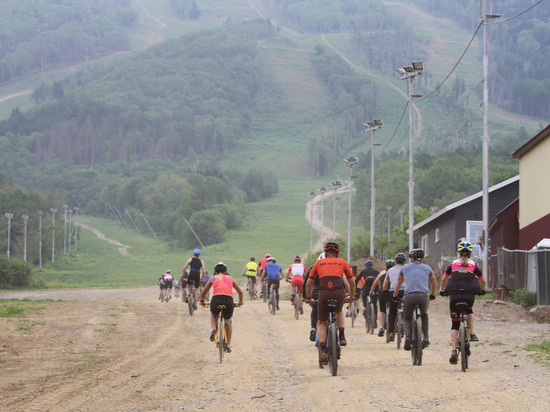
296	272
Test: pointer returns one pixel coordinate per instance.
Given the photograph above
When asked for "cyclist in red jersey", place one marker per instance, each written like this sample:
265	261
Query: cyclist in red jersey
331	272
259	270
223	285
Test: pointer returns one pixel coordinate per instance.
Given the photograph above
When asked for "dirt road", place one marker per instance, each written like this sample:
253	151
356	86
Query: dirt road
123	350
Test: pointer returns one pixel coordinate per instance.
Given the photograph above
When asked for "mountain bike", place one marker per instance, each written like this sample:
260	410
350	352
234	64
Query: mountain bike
463	340
272	301
399	328
416	338
191	301
333	343
297	302
177	294
353	312
165	295
264	290
250	285
370	318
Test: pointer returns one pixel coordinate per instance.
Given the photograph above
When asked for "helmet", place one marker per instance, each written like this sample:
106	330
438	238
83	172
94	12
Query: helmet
400	258
271	259
297	258
416	254
196	252
220	267
321	256
368	263
332	246
167	270
465	248
267	255
252	259
390	263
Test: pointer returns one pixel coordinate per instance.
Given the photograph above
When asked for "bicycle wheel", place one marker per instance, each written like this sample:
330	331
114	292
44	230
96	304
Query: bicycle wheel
462	347
372	317
221	338
264	290
191	301
417	349
332	343
296	303
399	329
251	289
318	344
352	312
273	299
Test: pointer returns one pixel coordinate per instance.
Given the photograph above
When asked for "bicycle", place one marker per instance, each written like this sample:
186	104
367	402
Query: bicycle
463	339
370	318
191	301
250	286
398	329
333	343
177	294
220	336
272	301
353	312
297	302
416	338
264	290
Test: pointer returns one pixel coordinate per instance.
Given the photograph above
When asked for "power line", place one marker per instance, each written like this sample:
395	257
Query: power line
517	15
397	127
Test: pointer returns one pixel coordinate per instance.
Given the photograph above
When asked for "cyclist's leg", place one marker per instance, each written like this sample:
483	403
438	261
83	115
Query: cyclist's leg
408	305
392	315
423	302
382	312
277	284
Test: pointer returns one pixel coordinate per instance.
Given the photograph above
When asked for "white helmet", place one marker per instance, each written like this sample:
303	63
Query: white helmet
321	256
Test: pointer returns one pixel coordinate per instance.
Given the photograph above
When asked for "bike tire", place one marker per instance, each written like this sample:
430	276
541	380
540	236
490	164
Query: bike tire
296	304
418	342
264	290
251	289
221	338
332	343
462	347
191	302
352	313
372	318
399	329
273	299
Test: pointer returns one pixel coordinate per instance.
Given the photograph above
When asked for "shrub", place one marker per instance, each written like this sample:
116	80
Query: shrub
14	273
524	297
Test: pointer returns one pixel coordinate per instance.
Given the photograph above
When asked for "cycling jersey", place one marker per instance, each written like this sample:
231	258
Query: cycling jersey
297	269
463	279
392	274
330	272
273	270
223	285
368	276
251	268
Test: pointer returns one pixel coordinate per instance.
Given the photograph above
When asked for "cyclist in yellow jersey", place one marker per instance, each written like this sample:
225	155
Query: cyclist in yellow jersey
249	271
223	285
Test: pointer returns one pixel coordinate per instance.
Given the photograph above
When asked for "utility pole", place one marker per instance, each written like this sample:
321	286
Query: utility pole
25	218
40	214
311	196
70	228
409	73
10	217
322	189
65	207
76	209
372	127
389	222
350	162
335	185
53	210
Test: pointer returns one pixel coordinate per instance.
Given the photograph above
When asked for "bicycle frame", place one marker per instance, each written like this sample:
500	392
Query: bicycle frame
463	339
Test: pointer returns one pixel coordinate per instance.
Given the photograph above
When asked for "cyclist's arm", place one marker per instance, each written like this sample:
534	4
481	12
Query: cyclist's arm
386	285
245	270
185	267
288	272
400	280
433	283
444	281
377	280
205	290
482	282
309	287
239	291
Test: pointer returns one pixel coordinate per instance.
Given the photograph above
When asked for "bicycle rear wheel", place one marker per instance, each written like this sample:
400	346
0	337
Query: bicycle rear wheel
332	343
251	289
371	317
399	329
462	347
264	290
191	302
417	348
352	312
296	303
221	338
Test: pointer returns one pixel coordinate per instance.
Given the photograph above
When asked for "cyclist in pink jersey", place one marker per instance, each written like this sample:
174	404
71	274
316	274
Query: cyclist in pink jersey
223	285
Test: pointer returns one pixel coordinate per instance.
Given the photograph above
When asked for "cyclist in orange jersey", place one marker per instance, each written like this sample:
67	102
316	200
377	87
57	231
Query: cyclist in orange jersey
331	272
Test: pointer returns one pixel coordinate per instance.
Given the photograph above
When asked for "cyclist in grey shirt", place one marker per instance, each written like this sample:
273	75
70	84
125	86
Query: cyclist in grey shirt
419	282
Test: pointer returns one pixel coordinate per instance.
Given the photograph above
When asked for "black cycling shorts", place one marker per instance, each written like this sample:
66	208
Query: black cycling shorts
194	278
217	300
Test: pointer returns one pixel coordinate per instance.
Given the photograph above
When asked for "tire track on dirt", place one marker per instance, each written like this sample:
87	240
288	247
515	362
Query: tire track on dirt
123	249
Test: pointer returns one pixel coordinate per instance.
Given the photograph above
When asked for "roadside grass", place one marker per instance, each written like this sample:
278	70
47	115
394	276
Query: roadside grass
541	351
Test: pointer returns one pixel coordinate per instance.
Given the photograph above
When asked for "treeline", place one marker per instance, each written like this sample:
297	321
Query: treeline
38	34
519	79
325	16
179	99
185	9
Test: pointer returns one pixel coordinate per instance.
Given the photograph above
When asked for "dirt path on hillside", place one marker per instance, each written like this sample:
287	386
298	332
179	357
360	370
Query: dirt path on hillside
123	249
123	350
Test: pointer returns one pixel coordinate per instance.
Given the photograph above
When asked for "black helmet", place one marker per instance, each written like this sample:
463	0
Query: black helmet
220	267
416	254
332	246
400	258
390	263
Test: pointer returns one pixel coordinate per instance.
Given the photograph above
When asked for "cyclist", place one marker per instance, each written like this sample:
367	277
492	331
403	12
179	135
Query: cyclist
420	281
250	271
165	282
183	282
223	285
261	265
314	297
177	287
204	281
196	270
368	276
296	273
388	287
331	272
383	297
462	281
274	273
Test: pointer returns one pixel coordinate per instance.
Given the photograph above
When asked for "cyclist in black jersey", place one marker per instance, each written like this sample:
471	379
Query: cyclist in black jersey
196	269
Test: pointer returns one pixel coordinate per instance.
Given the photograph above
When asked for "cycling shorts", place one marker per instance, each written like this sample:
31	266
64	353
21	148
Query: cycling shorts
216	300
166	284
253	279
324	296
297	280
194	278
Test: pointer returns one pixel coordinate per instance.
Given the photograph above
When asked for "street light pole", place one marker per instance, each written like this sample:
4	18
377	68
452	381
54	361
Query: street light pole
70	228
350	162
65	207
409	73
486	139
372	127
322	189
311	196
389	222
40	214
76	209
401	212
53	210
10	217
335	186
25	218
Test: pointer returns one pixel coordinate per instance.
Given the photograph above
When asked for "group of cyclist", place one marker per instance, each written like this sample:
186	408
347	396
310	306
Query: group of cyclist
410	284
